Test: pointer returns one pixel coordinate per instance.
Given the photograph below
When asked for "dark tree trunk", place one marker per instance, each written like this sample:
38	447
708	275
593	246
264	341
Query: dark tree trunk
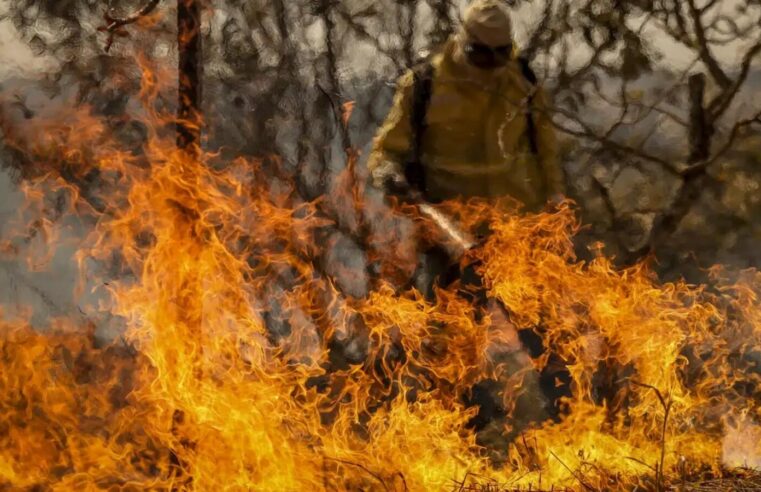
190	74
695	179
700	128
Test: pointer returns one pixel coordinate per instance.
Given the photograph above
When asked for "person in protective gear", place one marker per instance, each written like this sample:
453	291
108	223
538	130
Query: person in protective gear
471	121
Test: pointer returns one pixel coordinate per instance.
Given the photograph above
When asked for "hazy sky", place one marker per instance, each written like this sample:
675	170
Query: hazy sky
17	58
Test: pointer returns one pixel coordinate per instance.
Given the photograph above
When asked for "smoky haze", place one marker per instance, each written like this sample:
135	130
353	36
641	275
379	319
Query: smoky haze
658	118
620	166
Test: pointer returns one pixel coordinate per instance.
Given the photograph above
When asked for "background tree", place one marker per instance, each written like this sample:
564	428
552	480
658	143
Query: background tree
647	81
655	118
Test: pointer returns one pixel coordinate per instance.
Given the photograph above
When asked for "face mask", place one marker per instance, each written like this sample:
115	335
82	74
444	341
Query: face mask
486	57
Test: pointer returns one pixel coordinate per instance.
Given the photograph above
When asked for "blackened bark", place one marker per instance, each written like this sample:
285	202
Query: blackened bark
700	128
190	74
695	178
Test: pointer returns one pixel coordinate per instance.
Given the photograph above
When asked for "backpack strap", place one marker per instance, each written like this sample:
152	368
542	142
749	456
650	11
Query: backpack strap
532	79
422	89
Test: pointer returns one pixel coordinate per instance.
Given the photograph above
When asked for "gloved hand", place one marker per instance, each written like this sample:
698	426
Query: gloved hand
389	176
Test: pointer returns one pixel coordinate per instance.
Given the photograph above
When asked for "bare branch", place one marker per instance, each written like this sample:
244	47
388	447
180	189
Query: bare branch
575	474
532	46
115	24
588	133
365	469
719	105
361	31
704	49
656	105
652	468
708	6
736	130
666	410
443	23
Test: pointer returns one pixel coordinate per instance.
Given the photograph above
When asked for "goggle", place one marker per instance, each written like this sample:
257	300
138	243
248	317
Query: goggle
486	51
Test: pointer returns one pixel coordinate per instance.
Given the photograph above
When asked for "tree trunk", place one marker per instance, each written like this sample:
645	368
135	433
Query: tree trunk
190	74
695	180
700	128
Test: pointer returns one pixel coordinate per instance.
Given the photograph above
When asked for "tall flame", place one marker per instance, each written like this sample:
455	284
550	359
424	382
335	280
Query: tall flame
225	378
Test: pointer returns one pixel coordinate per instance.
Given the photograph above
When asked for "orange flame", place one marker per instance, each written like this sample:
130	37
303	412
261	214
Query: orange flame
226	380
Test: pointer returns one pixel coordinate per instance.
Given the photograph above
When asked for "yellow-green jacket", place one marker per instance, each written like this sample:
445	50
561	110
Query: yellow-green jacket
476	141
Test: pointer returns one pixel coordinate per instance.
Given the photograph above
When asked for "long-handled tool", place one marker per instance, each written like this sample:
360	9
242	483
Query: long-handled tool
457	241
517	347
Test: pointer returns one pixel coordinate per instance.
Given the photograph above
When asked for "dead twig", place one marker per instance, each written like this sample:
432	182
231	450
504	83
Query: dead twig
666	409
365	469
575	475
632	458
114	24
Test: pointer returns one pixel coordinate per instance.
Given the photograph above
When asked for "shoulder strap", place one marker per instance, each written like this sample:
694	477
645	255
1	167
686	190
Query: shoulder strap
532	79
422	88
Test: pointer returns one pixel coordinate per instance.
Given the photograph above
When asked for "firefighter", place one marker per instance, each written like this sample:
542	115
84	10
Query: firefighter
471	121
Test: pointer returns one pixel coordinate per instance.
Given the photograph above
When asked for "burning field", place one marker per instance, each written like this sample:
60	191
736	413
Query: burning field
242	365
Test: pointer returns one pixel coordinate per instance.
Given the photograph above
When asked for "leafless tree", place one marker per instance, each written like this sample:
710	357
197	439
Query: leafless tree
287	70
617	39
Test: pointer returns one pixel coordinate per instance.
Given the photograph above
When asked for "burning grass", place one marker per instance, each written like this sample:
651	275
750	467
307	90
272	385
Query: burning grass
226	377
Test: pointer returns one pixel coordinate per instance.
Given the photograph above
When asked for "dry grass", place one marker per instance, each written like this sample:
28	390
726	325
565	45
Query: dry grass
737	480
